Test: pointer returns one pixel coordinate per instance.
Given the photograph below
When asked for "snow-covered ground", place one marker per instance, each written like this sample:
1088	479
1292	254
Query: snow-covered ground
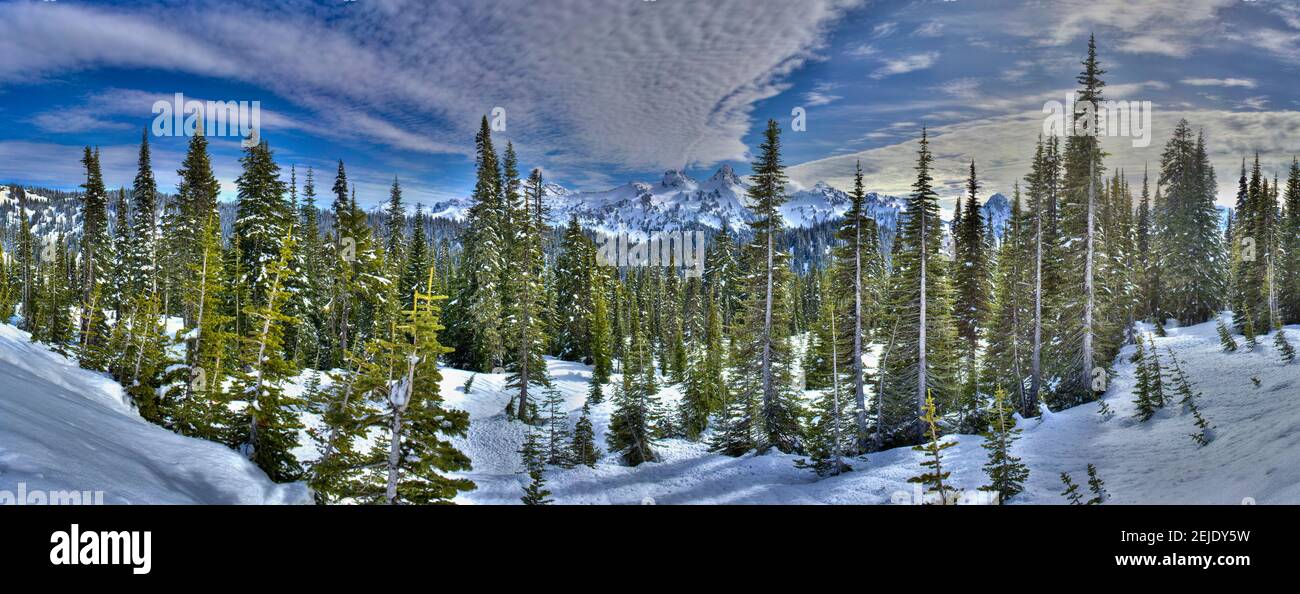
1257	439
63	428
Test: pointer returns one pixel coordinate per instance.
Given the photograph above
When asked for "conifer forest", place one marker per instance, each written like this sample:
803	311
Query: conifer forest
874	272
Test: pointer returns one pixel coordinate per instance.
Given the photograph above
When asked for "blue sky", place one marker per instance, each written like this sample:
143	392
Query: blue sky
600	92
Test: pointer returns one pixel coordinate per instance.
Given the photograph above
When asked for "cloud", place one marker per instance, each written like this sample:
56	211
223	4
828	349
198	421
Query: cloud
861	50
1220	82
929	29
884	29
906	64
960	87
1002	146
1255	103
631	84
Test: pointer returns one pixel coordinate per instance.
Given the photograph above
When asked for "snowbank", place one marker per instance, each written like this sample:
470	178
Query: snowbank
63	428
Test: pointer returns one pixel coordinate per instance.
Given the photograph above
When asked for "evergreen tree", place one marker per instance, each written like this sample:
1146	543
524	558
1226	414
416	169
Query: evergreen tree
575	268
933	478
601	337
1097	487
583	449
1071	491
525	324
1145	401
923	359
971	284
557	429
476	313
394	230
418	259
140	259
94	242
270	417
1225	337
262	220
1006	473
630	426
859	271
706	389
1187	242
764	361
534	461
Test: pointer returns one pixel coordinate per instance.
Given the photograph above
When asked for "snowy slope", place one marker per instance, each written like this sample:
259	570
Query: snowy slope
1257	438
65	428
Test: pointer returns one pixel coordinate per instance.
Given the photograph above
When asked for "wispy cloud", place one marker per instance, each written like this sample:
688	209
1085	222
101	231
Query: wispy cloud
906	64
1220	82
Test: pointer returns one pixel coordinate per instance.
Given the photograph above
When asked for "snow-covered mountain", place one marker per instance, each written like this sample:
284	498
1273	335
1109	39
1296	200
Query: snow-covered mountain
678	201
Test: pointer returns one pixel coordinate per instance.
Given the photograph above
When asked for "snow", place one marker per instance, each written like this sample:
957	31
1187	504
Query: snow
63	428
1251	458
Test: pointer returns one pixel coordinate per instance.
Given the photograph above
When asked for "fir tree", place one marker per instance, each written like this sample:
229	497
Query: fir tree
575	268
526	322
1283	345
1145	400
971	284
1071	491
859	271
630	426
706	389
140	259
269	418
923	359
1006	473
933	449
557	429
1097	487
601	337
94	241
1225	337
583	449
535	493
764	360
477	335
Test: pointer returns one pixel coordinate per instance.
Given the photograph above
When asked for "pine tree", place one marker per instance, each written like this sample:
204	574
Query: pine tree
525	325
575	271
140	259
1007	475
1187	242
94	242
1007	354
1071	491
706	389
1097	487
859	272
933	449
630	426
831	434
1225	337
601	337
557	429
262	220
971	284
762	363
535	493
1289	243
395	229
923	359
1145	400
418	260
200	409
1283	345
270	417
476	313
583	449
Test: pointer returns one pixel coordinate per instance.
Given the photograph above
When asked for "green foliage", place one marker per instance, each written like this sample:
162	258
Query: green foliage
1007	475
933	479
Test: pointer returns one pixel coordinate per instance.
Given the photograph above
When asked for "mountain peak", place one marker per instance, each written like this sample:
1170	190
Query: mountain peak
675	178
726	174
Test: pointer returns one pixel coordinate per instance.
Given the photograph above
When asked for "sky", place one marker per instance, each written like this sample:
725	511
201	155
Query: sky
601	92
